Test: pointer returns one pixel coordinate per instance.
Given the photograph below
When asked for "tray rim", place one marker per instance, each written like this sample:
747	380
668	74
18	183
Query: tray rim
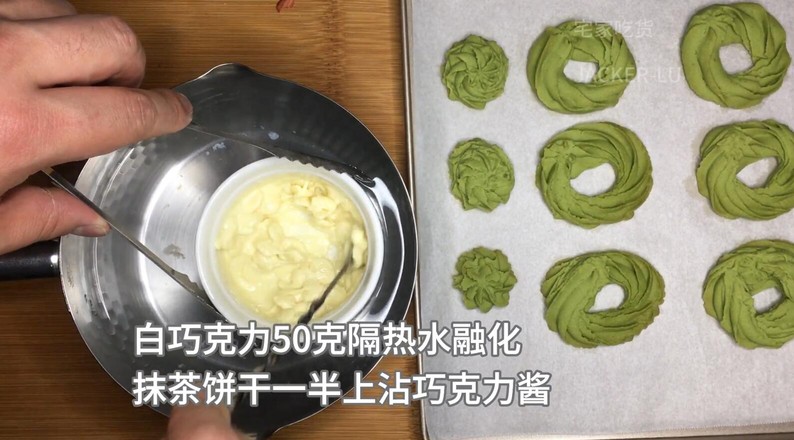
773	431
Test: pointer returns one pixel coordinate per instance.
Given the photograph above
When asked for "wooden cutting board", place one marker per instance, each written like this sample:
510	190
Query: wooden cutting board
50	385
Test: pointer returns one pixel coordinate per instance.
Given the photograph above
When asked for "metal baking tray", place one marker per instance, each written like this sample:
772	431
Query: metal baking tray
768	431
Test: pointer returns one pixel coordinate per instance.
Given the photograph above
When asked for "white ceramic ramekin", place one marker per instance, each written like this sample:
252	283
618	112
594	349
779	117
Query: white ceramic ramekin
232	188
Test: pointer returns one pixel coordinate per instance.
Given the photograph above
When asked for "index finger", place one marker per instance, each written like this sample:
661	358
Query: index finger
75	123
75	50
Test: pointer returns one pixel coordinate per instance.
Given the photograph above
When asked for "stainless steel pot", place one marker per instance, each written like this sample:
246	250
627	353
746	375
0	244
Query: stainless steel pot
158	189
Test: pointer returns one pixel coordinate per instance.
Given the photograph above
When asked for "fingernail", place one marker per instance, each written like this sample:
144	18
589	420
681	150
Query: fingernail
94	230
186	105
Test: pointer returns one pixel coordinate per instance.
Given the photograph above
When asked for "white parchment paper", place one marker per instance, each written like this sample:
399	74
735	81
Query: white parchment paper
682	372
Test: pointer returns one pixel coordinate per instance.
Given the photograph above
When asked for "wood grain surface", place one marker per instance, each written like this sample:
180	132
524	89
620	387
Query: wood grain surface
50	385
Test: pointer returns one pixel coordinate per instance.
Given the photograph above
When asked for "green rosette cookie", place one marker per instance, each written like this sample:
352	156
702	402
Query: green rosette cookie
485	278
740	274
750	25
586	146
570	289
585	42
482	175
475	71
727	150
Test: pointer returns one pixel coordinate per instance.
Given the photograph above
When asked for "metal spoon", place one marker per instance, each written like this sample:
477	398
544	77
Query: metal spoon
242	411
313	307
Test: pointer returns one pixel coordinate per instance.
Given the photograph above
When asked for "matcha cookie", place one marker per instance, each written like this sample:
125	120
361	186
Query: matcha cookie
750	25
475	71
727	150
586	146
586	42
740	274
485	278
570	289
481	174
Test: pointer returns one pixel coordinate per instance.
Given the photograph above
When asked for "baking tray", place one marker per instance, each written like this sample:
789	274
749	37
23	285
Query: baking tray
757	431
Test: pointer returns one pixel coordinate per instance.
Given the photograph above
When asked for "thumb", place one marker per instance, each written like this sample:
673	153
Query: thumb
29	214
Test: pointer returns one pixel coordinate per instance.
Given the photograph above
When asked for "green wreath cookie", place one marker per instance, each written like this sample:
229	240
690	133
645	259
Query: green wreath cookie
740	274
586	42
481	174
727	150
475	71
570	289
750	25
586	146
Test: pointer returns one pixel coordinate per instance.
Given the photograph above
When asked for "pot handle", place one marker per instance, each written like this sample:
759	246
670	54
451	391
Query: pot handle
39	260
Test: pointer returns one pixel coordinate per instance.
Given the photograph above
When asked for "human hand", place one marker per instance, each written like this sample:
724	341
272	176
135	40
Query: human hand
201	422
69	92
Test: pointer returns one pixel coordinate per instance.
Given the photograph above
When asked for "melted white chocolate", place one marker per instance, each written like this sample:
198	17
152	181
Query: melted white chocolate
283	241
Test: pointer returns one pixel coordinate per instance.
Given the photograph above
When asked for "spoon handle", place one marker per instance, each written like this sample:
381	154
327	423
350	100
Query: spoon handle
272	357
241	408
317	303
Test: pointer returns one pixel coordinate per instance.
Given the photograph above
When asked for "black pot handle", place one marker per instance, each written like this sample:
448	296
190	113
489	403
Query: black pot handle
38	260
